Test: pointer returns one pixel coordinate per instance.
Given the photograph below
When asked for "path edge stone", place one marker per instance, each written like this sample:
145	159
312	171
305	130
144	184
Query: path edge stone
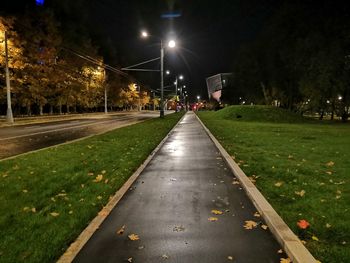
290	243
75	247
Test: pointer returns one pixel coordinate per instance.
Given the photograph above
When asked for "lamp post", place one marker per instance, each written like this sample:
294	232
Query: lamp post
171	44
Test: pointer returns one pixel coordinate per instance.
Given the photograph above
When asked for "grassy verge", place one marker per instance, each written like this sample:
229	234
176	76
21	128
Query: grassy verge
302	168
48	197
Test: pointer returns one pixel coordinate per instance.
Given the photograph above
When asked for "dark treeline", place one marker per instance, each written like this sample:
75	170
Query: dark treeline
47	75
299	61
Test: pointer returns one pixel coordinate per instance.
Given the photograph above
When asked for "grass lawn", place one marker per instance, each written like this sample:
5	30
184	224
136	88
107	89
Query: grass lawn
48	197
301	166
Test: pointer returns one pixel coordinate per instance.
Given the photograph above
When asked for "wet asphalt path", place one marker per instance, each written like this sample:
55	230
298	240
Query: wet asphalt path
23	138
169	205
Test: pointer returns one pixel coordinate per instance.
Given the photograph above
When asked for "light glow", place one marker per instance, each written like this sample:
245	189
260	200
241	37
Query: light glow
171	44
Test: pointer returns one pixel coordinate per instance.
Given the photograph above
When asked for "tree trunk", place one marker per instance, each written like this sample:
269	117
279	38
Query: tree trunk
322	114
29	112
41	107
68	109
60	108
51	109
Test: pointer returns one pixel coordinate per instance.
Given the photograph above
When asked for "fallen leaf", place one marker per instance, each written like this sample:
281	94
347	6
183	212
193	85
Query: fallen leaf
235	182
54	214
230	258
90	174
216	212
213	219
103	172
133	237
33	210
303	242
330	164
141	247
290	157
250	224
280	251
121	230
25	191
328	225
99	197
329	172
178	229
300	193
25	209
314	238
98	178
303	224
256	214
278	184
264	227
285	260
129	260
70	212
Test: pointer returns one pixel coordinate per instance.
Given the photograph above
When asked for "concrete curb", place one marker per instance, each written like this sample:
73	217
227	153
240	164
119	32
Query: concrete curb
290	243
87	233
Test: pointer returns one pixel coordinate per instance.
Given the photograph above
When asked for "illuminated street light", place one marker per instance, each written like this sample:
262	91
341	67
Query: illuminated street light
198	97
167	72
171	44
340	98
181	77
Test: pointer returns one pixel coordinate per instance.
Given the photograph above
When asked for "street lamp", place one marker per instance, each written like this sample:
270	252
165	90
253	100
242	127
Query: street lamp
171	44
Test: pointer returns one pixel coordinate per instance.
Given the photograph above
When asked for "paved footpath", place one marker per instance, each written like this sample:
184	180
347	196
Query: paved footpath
169	207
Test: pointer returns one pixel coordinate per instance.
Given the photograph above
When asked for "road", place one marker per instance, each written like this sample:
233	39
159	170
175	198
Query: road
24	138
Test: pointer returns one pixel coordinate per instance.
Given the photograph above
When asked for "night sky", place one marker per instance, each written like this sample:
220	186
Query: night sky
208	33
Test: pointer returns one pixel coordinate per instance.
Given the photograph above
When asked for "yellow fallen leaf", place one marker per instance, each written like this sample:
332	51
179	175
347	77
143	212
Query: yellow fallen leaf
303	242
103	172
250	224
235	182
256	214
300	193
213	219
70	212
33	209
230	258
290	157
285	260
264	227
90	174
330	164
99	197
328	225
278	184
54	214
98	178
121	230
329	172
133	237
216	212
25	209
25	191
314	238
